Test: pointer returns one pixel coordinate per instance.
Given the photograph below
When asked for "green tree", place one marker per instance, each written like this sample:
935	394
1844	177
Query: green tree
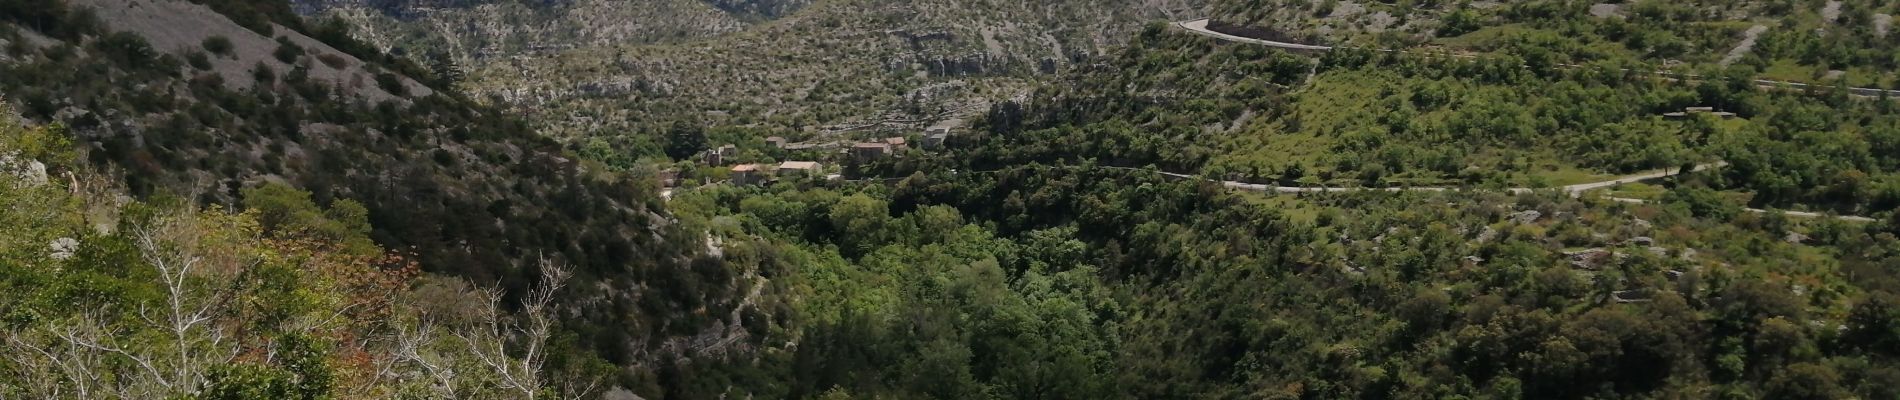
684	140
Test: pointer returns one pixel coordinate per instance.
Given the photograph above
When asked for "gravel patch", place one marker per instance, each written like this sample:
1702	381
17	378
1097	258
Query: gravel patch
1606	10
1380	21
1347	9
990	44
1748	44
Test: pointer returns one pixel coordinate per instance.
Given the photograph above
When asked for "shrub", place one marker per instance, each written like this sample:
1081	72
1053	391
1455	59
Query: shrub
287	51
198	61
391	83
263	74
219	45
334	61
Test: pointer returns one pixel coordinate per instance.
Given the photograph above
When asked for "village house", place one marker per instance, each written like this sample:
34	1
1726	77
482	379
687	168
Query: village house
935	140
790	168
721	155
938	135
897	143
870	150
943	127
747	174
775	141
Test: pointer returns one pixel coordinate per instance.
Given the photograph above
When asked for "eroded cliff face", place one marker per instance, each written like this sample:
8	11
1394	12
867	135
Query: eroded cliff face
831	63
585	68
473	30
760	8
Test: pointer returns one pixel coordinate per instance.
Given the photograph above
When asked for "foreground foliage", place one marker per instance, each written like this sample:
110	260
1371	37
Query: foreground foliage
283	299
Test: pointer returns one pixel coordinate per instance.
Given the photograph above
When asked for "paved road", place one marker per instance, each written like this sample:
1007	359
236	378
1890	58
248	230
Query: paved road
1799	214
1748	44
1578	189
1573	190
1199	26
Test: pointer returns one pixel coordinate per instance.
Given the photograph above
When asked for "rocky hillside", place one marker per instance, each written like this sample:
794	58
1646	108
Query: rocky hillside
204	101
478	29
829	68
475	30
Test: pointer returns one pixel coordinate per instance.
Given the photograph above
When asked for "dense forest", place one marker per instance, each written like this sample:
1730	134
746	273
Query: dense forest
1058	282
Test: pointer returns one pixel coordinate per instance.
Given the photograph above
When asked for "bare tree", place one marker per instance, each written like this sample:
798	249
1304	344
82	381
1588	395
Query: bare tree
467	346
86	356
487	339
169	245
476	355
412	346
46	368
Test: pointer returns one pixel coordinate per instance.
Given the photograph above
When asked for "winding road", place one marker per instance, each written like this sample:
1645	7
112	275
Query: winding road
1798	214
1574	191
1199	26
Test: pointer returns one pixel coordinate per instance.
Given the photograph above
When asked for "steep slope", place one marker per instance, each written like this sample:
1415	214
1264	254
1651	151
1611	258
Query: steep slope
181	28
471	191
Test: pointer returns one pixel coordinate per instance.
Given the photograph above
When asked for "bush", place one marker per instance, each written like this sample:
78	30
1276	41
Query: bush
444	158
391	83
263	74
219	45
126	49
198	61
334	61
287	51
